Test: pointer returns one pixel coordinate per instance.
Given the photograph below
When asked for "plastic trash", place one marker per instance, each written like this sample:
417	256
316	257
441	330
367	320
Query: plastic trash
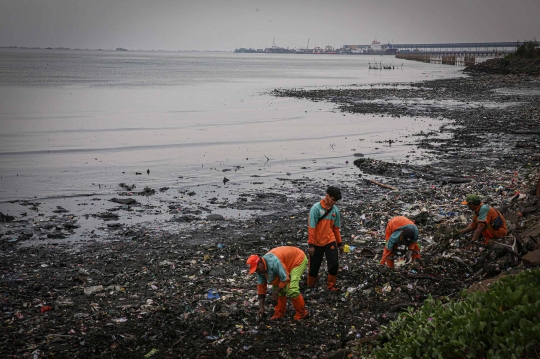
151	353
93	289
213	294
45	308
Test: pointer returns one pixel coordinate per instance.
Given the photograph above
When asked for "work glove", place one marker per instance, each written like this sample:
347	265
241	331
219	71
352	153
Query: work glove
408	257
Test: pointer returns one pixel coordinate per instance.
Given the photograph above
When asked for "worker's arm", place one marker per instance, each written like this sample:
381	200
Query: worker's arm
261	305
261	292
393	240
469	228
478	232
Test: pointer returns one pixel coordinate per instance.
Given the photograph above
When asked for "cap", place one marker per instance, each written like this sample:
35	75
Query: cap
472	198
252	261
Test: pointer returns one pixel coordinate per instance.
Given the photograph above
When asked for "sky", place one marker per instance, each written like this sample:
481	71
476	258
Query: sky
224	25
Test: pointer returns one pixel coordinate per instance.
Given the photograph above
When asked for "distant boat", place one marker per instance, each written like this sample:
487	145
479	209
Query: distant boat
376	46
329	50
120	49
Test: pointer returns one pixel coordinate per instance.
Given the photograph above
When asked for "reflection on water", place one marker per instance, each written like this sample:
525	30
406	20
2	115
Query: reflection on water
84	121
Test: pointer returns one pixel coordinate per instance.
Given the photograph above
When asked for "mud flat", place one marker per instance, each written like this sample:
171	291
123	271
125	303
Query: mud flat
176	285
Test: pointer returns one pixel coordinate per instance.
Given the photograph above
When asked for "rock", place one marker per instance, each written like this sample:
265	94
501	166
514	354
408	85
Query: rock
531	259
126	201
512	217
4	218
215	217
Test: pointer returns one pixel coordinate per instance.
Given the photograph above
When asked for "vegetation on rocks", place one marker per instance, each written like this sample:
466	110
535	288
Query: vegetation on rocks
502	322
525	61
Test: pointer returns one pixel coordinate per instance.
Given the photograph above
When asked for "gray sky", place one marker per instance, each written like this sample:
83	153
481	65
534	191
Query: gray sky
229	24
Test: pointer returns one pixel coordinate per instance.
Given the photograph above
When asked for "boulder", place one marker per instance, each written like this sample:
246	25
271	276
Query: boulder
531	259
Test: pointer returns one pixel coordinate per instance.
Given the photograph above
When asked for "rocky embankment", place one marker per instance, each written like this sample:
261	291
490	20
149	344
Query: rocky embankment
525	64
181	289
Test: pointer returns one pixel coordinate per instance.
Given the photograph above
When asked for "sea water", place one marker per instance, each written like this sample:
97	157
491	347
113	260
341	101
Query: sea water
80	122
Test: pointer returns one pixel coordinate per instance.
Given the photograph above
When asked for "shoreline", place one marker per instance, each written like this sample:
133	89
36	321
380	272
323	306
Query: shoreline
145	285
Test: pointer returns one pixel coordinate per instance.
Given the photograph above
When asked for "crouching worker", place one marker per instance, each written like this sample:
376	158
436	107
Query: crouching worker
487	221
282	267
401	239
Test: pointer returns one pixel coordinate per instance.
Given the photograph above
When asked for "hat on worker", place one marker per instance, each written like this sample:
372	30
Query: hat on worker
472	198
252	261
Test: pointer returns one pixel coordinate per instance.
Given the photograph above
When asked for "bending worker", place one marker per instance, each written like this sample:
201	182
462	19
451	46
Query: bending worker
487	221
324	237
282	267
401	239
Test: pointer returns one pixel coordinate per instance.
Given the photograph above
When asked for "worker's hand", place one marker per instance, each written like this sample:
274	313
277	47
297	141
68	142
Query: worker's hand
261	315
341	249
408	257
274	297
311	251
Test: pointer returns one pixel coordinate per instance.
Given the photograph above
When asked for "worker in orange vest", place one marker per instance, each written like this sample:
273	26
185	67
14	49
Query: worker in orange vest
282	267
487	221
401	239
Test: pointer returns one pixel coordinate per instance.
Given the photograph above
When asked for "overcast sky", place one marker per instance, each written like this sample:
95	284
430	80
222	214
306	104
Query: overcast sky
229	24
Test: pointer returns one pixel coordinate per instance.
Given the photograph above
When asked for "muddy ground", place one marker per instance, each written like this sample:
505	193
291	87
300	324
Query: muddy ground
180	288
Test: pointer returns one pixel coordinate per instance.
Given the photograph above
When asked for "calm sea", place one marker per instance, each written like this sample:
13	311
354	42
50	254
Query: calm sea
75	122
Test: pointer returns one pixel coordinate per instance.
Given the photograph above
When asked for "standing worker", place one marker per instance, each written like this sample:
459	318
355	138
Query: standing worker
487	221
282	267
324	238
400	232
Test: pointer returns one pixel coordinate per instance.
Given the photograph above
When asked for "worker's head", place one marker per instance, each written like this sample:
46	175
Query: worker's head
472	201
333	194
256	264
407	236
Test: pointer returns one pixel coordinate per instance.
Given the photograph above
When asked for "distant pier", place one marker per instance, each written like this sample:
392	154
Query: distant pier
460	54
456	53
453	59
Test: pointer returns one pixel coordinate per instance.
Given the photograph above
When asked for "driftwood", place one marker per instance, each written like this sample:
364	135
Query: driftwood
383	185
457	180
526	132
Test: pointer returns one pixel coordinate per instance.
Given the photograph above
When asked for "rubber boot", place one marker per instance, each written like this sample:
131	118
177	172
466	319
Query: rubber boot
280	308
300	307
311	281
331	282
